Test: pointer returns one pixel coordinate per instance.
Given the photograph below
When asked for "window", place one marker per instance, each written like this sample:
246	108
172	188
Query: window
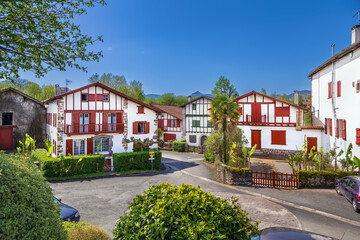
192	138
7	119
140	109
84	122
112	121
278	137
173	123
282	111
84	97
104	144
338	89
79	147
141	127
329	90
196	123
193	106
48	118
328	126
339	129
106	97
54	119
209	124
358	136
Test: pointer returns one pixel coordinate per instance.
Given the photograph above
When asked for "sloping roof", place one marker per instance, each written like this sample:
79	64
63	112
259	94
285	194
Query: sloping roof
335	58
22	94
272	98
205	97
97	84
172	110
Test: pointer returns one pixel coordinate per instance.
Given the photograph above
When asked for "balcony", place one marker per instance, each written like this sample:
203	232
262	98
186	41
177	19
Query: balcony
261	120
79	129
255	118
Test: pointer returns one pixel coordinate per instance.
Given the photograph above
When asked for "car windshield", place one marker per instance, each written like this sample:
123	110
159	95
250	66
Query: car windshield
57	202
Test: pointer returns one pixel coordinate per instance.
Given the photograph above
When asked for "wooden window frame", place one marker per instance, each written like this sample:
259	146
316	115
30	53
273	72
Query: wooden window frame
104	97
136	127
195	125
278	137
282	111
87	97
194	106
191	139
141	110
3	116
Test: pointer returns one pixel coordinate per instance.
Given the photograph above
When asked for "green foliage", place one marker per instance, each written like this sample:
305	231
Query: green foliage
246	154
179	145
27	146
143	144
68	166
49	146
135	161
168	99
27	208
68	226
98	148
169	212
209	157
328	176
88	232
263	91
40	36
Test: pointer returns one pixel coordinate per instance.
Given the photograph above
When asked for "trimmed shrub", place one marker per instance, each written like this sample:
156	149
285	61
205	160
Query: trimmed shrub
68	226
179	145
169	212
88	232
27	207
69	166
208	157
315	179
135	161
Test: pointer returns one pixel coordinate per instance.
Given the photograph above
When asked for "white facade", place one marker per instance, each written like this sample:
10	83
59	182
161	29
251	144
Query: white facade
94	112
196	121
342	73
171	126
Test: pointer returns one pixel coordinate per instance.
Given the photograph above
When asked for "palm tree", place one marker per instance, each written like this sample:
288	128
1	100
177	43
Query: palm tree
224	109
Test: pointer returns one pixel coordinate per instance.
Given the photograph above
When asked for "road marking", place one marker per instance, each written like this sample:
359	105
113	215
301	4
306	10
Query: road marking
308	209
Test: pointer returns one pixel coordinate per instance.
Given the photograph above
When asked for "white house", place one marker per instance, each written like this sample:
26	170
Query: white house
170	121
77	121
335	87
196	120
275	126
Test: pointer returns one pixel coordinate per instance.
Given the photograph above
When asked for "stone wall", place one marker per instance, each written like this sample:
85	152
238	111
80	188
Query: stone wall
278	152
233	176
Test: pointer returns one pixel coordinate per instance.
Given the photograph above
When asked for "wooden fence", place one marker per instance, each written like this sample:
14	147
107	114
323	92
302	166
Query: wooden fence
273	179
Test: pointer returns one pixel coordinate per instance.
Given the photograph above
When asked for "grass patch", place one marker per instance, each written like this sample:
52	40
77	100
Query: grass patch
136	171
100	174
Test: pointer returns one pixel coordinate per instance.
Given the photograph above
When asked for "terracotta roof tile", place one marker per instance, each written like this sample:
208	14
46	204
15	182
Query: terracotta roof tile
172	110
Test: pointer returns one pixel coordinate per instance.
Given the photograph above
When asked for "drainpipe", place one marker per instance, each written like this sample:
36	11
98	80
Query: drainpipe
333	84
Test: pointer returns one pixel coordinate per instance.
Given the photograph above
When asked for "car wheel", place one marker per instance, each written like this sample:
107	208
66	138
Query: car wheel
355	207
337	189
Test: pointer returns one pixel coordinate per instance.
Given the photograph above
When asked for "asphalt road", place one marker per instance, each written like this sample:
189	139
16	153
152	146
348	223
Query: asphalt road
103	201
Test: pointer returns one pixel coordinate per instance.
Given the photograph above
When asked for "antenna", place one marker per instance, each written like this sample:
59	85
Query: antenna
68	82
358	16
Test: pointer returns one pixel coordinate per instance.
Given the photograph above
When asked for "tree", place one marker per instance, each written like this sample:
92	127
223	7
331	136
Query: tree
34	90
40	36
136	90
224	108
167	99
48	91
263	91
284	97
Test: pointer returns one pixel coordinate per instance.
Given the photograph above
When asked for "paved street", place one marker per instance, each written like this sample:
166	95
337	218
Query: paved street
102	201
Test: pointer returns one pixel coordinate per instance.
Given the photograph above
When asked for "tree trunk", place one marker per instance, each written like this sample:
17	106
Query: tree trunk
224	141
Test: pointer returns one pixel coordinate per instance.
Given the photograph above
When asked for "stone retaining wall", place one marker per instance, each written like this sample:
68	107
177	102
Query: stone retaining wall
278	152
233	176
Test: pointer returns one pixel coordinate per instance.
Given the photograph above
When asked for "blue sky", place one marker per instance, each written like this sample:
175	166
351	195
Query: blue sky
184	46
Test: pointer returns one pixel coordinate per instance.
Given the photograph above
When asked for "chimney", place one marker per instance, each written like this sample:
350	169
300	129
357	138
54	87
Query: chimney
189	98
355	34
57	89
296	97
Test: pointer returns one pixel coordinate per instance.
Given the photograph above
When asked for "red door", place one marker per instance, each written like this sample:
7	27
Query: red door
6	138
256	138
312	141
256	112
168	137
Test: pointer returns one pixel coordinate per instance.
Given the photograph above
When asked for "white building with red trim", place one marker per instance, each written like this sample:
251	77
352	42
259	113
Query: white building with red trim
170	121
335	89
77	121
275	126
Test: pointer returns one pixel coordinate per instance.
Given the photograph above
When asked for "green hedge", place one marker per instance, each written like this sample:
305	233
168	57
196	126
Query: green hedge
68	166
310	179
135	161
208	157
179	145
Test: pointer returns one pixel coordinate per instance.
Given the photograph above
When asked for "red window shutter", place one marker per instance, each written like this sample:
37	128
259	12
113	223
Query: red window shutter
119	118
329	90
178	123
344	129
147	127
91	97
135	127
325	125
240	110
358	136
89	143
99	97
278	111
278	137
286	111
339	88
140	109
337	128
330	125
69	147
104	121
169	123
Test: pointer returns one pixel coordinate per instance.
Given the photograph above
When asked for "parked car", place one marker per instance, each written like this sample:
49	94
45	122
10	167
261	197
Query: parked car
67	213
349	187
281	233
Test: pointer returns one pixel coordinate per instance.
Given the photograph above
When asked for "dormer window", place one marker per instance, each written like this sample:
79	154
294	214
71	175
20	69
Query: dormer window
106	97
84	97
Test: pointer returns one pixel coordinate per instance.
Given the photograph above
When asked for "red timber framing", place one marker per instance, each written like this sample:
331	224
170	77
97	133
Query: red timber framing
260	111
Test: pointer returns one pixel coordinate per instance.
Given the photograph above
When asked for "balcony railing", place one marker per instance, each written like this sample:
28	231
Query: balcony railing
255	118
94	128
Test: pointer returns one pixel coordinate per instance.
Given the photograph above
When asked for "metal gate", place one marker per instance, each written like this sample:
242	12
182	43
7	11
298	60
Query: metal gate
274	179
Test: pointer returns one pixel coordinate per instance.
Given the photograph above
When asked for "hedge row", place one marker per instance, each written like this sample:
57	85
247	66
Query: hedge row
135	161
313	179
179	145
68	166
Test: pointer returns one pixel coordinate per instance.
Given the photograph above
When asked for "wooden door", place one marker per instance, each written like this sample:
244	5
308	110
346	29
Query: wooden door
311	142
6	138
256	112
256	138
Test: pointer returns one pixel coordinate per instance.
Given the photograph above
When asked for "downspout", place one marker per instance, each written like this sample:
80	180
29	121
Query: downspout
333	84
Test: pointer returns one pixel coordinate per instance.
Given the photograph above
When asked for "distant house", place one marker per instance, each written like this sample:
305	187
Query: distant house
20	114
275	126
79	120
335	96
170	121
196	120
